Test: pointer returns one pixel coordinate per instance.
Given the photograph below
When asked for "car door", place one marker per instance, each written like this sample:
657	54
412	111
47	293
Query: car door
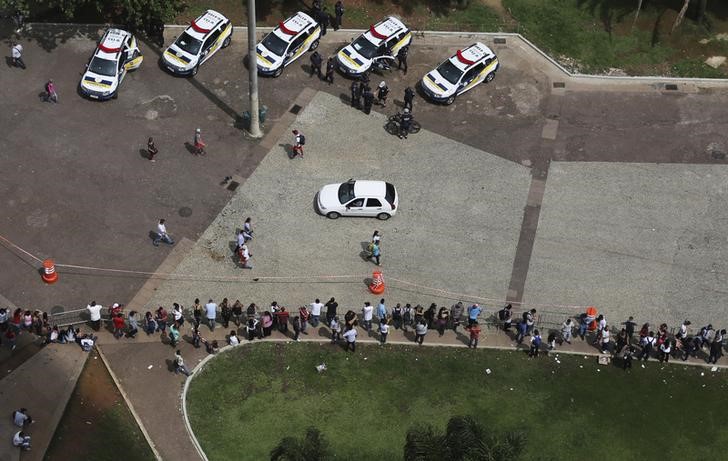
355	207
121	70
295	49
470	79
373	207
208	47
134	58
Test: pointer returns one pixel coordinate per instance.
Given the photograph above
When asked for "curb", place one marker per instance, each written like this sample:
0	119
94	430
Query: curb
138	420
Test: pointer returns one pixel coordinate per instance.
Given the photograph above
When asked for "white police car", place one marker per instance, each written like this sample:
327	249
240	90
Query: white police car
382	41
358	198
460	73
206	35
116	54
286	43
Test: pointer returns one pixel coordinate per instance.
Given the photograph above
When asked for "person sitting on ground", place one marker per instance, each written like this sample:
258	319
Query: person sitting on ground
252	328
150	325
21	440
55	335
233	338
87	342
21	418
267	322
70	334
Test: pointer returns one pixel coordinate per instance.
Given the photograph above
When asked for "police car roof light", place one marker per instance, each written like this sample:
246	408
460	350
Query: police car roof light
106	49
199	29
285	29
463	59
376	34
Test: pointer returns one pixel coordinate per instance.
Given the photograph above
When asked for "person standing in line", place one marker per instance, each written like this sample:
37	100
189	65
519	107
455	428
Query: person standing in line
178	314
409	97
330	68
225	313
248	229
368	100
316	61
383	331
161	320
420	332
402	58
442	320
397	316
233	339
299	140
211	314
151	149
530	318
350	337
51	92
237	312
162	235
335	330
716	346
94	311
282	319
647	343
197	312
199	143
367	313
382	93
382	311
355	95
665	350
629	326
323	20
338	14
316	307
133	325
296	323
535	344
17	55
406	317
174	334
567	329
118	322
179	364
606	340
474	330
505	315
331	310
304	315
473	313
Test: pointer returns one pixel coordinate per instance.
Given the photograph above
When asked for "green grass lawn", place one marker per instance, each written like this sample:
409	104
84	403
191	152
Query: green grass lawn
247	399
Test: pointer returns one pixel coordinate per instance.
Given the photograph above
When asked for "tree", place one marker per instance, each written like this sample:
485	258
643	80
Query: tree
464	440
313	447
680	15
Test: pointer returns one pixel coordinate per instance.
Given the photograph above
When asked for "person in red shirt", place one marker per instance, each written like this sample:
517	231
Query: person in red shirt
282	320
474	335
304	315
118	322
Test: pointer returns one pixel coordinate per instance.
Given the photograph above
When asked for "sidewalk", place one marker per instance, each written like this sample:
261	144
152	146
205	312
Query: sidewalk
43	385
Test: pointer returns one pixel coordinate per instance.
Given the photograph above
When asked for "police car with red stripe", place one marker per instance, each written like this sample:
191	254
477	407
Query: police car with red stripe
382	41
460	73
206	35
116	54
286	43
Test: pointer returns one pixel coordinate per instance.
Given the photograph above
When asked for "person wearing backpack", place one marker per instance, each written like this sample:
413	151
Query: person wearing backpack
505	316
535	344
299	142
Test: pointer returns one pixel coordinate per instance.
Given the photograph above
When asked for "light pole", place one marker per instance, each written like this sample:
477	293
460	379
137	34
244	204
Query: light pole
254	129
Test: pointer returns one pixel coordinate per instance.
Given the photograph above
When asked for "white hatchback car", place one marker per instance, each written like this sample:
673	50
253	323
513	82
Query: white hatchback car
358	198
383	40
116	54
286	43
206	35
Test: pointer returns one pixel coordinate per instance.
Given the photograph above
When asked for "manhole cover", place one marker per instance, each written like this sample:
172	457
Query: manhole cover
295	109
233	185
185	212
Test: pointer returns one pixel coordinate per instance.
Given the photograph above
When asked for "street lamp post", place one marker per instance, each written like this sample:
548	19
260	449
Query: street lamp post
254	129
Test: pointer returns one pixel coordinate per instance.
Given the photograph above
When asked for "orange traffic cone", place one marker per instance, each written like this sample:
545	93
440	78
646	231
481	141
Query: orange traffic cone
49	272
377	285
591	315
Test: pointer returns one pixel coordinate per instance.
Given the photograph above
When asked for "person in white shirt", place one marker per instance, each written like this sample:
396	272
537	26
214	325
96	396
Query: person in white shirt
21	418
383	331
211	314
240	239
94	311
606	338
247	230
335	330
21	440
233	338
316	307
367	315
245	255
17	54
350	337
162	235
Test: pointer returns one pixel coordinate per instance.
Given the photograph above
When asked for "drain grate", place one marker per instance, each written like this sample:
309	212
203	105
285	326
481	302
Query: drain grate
499	41
295	109
671	87
233	185
559	84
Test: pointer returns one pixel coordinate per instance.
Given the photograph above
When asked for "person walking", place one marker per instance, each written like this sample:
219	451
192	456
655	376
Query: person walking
299	140
316	61
402	58
368	100
245	256
376	253
162	235
151	149
350	337
409	97
17	54
355	95
383	331
211	314
330	68
179	364
94	311
338	14
420	332
199	146
248	229
474	330
405	123
51	93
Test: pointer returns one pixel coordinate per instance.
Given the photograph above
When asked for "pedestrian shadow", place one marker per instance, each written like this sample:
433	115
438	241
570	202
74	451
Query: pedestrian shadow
153	235
190	148
409	335
170	365
288	149
345	99
143	153
9	61
462	337
234	258
324	332
365	254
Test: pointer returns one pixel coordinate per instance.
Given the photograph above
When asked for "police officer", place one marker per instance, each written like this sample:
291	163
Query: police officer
323	20
368	100
315	8
409	96
382	93
330	66
316	61
402	58
338	13
355	95
405	124
363	82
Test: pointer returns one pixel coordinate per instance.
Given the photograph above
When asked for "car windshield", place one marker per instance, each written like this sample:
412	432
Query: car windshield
364	47
449	72
188	43
275	44
390	194
346	192
102	66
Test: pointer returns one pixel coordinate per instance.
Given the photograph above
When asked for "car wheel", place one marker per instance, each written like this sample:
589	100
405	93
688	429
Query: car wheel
333	215
383	216
226	42
115	95
278	71
314	45
194	70
489	78
450	100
